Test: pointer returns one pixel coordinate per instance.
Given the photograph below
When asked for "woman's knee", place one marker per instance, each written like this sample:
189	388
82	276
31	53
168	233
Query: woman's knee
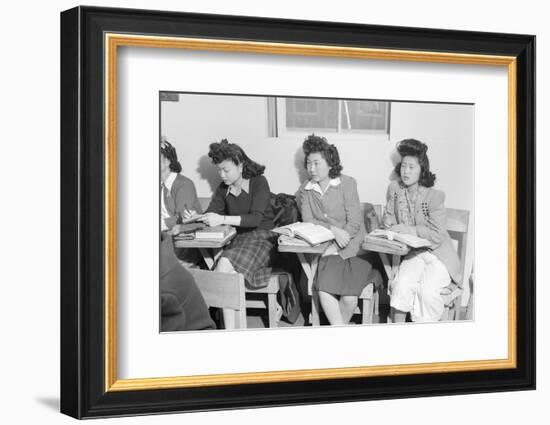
403	282
349	300
429	292
325	295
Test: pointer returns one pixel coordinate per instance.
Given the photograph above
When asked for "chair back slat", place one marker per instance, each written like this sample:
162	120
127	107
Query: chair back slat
457	220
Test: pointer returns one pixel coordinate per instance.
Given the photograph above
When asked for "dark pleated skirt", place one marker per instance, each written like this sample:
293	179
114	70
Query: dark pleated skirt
342	277
250	253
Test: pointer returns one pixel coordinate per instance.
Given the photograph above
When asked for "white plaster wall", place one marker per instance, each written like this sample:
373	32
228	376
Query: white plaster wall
197	120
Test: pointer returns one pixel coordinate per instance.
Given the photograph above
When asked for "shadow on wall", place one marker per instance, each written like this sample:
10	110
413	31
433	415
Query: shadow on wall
395	159
209	172
303	175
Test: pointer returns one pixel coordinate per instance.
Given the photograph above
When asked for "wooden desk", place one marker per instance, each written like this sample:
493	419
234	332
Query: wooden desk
209	249
310	268
390	267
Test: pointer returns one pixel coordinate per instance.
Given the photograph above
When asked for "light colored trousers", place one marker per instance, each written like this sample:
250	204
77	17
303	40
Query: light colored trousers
417	286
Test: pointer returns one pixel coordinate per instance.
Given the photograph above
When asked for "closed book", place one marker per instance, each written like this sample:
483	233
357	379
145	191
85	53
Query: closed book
189	228
215	232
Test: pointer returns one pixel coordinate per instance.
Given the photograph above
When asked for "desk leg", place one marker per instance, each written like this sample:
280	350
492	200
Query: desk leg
387	265
315	304
390	267
395	261
208	258
310	268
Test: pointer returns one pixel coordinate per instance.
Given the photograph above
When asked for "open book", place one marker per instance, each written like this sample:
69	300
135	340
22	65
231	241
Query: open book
409	240
313	234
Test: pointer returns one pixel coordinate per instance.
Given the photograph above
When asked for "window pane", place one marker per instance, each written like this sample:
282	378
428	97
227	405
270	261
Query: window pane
311	114
363	115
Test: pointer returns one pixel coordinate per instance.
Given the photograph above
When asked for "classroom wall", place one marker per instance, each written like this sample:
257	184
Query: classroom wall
197	120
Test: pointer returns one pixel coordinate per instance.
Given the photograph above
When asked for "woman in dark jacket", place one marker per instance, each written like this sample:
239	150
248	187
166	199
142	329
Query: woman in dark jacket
182	307
242	200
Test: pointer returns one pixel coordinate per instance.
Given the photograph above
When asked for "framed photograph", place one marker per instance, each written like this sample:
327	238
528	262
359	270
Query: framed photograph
262	212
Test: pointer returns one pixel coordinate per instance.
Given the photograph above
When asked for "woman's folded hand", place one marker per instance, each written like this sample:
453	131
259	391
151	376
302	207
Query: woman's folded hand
188	213
341	236
211	219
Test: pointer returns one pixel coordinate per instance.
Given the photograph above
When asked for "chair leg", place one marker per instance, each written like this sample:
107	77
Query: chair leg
366	310
470	306
458	306
446	314
374	305
272	310
315	308
376	302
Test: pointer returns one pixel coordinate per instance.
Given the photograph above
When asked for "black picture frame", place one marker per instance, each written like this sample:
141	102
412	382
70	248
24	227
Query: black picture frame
83	168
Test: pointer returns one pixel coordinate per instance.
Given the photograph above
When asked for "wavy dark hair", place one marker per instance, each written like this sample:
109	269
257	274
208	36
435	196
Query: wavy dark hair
225	151
413	147
169	152
314	144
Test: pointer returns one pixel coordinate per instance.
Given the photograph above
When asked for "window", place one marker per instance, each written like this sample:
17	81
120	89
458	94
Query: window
292	116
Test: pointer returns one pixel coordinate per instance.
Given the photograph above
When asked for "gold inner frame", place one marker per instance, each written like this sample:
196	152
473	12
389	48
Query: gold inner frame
113	41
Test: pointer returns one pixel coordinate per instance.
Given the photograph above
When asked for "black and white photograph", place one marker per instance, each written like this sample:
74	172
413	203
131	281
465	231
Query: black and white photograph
288	211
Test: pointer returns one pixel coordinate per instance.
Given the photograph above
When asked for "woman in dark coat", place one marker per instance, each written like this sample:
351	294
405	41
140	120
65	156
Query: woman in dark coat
182	307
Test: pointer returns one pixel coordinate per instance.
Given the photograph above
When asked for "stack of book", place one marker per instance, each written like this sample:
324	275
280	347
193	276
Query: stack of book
214	233
186	231
303	234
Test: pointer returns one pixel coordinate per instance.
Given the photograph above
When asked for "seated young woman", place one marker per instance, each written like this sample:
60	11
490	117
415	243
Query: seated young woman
415	207
178	194
330	199
178	197
242	200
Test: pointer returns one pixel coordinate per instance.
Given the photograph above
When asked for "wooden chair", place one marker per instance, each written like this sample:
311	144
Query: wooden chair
457	226
262	297
223	290
458	222
267	297
366	305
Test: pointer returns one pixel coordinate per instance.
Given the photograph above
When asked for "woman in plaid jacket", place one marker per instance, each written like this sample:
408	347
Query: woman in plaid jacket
415	207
